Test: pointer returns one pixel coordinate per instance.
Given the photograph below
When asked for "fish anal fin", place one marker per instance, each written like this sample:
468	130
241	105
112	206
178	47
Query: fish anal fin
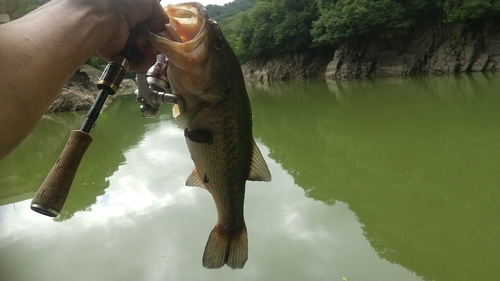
258	167
194	180
224	247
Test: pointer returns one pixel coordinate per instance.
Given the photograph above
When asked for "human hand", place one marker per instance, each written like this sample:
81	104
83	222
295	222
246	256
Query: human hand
123	15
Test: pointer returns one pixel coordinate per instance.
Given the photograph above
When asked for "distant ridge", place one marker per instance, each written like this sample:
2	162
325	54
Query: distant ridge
230	9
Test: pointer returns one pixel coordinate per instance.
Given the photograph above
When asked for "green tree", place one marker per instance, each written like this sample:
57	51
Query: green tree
345	18
422	11
274	26
96	62
293	24
230	9
256	35
231	28
463	10
17	9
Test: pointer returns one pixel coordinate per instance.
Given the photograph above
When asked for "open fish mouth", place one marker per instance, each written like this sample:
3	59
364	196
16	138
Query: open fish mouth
183	40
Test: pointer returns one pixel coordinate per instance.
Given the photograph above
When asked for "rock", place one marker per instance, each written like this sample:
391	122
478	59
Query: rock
290	65
81	90
442	49
127	87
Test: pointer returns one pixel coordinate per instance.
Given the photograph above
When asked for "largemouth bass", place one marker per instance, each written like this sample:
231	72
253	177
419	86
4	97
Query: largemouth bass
217	123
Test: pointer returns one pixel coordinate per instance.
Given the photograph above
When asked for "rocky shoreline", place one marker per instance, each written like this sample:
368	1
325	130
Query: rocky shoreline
431	50
81	90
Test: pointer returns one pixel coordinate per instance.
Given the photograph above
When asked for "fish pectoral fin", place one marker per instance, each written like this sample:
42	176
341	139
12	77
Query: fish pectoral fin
182	119
258	168
194	180
176	111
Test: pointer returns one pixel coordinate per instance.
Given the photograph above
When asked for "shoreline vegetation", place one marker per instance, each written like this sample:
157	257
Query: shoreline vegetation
350	39
333	39
273	27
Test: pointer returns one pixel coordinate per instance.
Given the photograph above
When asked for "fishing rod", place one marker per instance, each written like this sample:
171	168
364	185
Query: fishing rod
153	90
51	195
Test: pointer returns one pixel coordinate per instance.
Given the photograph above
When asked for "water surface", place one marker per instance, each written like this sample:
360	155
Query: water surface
393	179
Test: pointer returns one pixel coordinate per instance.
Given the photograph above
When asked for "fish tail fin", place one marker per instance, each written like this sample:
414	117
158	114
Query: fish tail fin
226	247
238	248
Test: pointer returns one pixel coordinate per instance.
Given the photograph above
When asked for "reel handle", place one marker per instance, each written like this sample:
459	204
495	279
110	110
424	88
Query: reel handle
50	197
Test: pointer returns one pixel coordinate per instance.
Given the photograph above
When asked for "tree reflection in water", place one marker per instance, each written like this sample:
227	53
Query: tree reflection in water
416	160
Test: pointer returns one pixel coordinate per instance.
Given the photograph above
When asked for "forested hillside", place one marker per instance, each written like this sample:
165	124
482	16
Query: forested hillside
230	9
262	28
275	26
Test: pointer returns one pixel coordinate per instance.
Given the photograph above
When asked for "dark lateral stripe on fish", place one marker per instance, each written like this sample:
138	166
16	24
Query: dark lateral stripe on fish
199	136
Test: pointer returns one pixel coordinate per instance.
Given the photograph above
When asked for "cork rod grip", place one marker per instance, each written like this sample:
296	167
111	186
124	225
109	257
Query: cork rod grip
50	197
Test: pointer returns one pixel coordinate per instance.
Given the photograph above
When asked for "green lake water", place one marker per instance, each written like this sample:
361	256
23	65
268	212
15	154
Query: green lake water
394	179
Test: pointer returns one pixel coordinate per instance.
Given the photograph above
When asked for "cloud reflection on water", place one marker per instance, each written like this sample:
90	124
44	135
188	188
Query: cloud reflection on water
148	226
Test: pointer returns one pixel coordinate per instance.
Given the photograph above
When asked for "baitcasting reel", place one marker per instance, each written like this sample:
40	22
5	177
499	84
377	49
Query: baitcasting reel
153	89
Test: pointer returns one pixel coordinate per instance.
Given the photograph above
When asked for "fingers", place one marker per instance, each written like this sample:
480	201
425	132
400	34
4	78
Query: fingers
156	21
158	18
140	64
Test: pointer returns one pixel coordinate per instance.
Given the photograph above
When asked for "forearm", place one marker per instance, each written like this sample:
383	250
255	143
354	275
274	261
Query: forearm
38	55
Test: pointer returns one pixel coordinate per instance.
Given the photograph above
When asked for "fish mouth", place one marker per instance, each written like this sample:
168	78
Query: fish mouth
183	39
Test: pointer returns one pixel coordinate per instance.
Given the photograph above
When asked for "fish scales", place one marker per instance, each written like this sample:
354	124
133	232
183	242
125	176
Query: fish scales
229	140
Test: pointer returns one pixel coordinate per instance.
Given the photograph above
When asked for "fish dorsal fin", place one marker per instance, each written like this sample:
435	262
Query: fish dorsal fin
183	119
194	180
258	168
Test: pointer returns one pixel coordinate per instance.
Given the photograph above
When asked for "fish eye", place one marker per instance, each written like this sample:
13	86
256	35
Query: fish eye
218	43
